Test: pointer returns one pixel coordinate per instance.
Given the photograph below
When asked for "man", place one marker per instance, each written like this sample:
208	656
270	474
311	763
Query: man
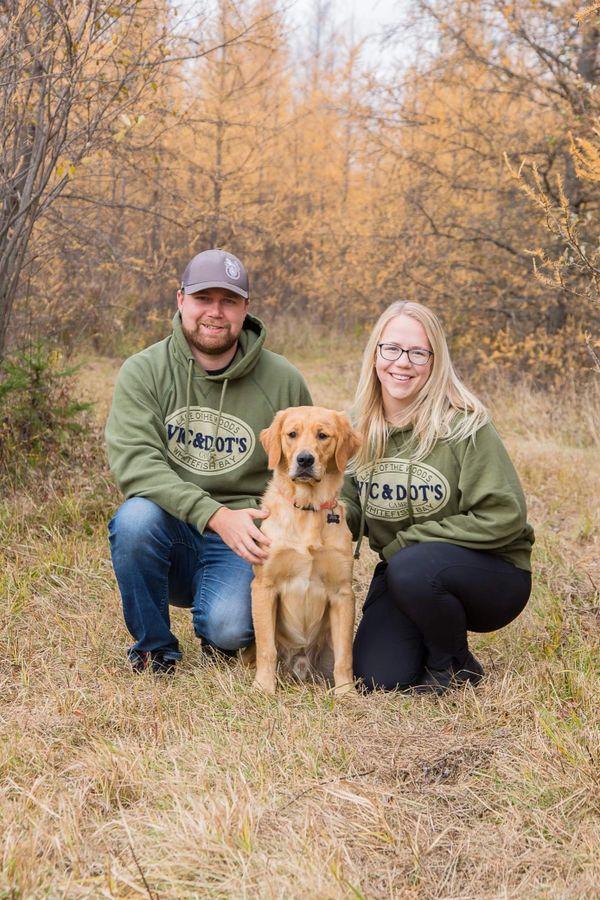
182	439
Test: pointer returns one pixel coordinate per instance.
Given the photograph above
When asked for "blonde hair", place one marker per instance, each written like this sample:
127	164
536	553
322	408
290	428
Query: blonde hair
433	412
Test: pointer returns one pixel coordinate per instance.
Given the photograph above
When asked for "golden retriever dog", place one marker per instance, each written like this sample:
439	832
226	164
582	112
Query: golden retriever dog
302	597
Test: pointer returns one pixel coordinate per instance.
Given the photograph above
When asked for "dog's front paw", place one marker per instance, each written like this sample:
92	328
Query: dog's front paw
266	685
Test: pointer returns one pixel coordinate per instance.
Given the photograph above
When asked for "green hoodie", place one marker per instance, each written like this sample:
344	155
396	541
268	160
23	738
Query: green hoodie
188	440
466	493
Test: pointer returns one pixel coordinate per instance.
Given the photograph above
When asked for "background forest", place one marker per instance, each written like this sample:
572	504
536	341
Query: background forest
454	163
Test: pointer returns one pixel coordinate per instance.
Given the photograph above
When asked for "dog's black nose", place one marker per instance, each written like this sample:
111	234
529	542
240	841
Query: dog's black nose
305	459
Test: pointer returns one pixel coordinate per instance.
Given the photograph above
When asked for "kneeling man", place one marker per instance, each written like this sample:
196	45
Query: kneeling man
183	448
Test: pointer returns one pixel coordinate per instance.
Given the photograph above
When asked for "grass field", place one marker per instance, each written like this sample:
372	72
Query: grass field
113	785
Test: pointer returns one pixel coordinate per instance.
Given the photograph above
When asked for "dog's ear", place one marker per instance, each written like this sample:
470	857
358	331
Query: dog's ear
348	442
270	438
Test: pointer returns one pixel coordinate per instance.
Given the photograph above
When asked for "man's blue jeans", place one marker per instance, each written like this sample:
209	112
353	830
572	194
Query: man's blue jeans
158	560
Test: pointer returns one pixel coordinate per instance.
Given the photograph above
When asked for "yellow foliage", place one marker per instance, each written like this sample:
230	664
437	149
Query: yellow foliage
586	155
587	11
343	191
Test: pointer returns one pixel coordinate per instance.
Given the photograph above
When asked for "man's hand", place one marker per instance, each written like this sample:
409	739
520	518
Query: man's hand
236	528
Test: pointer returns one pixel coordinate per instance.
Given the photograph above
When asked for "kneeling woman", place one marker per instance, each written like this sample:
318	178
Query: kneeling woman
436	492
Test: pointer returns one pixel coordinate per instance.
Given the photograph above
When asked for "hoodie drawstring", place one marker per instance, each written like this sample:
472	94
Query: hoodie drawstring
411	515
188	392
363	514
212	459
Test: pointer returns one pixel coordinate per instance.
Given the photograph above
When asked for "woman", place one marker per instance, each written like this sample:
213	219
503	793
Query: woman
435	490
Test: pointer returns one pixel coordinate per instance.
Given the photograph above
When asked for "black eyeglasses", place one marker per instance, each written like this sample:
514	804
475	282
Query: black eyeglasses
416	355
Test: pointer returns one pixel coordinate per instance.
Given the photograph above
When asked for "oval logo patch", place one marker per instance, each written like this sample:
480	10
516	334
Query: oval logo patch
200	450
388	495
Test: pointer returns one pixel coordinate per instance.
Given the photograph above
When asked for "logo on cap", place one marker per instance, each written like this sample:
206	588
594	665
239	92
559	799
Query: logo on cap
232	268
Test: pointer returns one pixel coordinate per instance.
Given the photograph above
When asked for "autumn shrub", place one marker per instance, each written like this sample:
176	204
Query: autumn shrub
39	418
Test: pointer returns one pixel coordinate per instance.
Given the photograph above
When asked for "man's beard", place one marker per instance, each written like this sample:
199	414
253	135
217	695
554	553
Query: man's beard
226	342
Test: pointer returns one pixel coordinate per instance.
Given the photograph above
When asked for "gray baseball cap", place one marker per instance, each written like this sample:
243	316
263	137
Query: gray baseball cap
215	268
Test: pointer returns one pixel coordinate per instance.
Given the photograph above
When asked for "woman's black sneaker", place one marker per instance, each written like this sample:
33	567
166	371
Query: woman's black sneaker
470	671
434	681
438	681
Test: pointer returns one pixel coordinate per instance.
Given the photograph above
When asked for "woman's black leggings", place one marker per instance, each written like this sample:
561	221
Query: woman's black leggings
421	604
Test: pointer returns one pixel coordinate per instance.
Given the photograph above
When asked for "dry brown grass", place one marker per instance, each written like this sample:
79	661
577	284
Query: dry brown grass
117	786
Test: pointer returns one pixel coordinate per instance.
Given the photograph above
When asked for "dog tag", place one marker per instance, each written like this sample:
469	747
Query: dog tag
333	518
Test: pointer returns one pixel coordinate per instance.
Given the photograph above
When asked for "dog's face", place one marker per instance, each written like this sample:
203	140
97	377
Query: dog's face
306	442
